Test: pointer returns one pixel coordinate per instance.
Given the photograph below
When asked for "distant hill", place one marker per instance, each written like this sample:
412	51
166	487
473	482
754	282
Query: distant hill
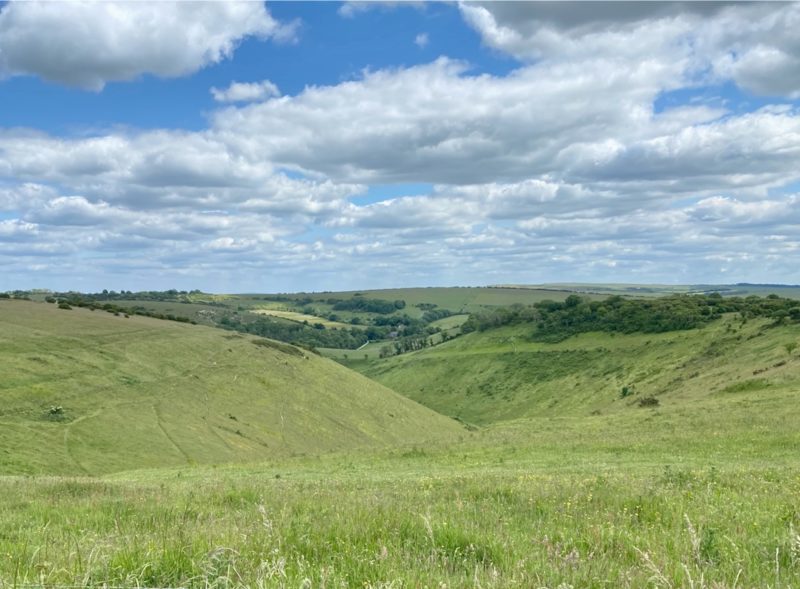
505	373
741	289
87	392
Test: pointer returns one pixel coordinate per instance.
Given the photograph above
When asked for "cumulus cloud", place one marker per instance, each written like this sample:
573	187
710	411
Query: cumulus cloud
421	40
246	92
754	44
563	169
88	44
434	122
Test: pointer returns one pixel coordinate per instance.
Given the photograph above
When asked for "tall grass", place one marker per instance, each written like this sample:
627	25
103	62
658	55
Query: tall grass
460	517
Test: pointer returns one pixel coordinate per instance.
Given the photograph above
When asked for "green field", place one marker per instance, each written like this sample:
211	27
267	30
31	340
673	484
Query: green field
553	480
457	299
302	318
371	351
651	290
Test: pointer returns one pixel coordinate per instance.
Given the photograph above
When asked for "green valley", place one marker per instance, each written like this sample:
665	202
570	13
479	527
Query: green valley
636	442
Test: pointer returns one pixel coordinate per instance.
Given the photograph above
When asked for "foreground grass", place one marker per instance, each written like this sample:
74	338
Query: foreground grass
525	529
650	499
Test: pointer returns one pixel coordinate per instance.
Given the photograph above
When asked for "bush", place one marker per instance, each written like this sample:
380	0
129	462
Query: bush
648	402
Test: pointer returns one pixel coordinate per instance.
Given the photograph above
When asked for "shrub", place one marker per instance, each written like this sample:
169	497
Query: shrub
648	402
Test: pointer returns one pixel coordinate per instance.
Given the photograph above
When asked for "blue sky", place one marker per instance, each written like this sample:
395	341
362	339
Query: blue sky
322	146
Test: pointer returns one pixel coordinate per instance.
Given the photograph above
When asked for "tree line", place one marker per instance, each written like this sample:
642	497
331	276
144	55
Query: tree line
555	321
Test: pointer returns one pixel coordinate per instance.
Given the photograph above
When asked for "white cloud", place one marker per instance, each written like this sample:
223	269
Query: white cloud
561	170
12	230
246	92
87	43
754	44
352	8
434	122
421	40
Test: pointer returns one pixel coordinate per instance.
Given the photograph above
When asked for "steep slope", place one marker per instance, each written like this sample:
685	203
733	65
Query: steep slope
90	392
499	374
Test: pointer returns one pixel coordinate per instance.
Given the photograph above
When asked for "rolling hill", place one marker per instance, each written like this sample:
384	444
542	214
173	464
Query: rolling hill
501	374
88	392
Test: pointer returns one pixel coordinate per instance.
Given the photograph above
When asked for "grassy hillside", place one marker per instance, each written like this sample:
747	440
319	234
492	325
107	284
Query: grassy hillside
85	392
500	374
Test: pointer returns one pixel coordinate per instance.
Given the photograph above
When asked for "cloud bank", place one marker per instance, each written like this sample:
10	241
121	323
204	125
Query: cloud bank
573	166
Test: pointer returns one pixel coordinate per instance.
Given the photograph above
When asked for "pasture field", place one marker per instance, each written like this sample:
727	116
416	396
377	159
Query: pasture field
657	290
704	495
452	322
202	313
302	318
369	352
461	299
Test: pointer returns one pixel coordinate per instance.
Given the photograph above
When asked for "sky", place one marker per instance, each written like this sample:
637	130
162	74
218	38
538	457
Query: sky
282	147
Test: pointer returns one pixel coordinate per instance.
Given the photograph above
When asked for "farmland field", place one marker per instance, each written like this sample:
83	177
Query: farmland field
302	318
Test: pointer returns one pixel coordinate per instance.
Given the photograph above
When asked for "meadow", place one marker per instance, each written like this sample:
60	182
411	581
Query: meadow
633	460
652	498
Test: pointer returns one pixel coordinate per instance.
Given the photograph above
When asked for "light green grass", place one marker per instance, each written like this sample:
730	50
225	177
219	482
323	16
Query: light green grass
450	323
302	318
456	299
500	374
369	352
665	498
138	392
